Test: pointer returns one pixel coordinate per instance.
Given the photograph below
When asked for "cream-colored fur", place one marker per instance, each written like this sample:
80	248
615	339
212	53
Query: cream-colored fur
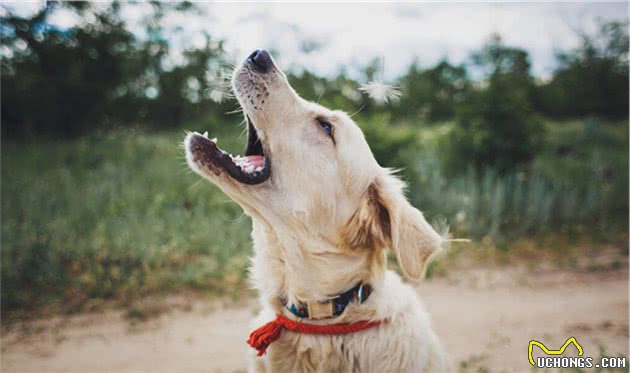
322	223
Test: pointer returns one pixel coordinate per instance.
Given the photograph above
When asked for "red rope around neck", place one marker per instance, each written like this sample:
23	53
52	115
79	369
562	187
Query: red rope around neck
262	337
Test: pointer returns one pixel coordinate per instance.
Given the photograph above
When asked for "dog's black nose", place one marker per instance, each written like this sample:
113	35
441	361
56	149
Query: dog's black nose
261	60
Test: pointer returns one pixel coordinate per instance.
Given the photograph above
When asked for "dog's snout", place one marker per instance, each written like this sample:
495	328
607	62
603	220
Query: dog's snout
261	60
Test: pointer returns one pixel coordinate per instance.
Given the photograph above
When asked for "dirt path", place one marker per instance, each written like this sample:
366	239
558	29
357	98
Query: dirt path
485	318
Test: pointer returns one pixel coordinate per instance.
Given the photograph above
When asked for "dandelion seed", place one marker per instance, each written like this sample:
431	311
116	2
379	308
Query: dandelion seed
217	95
380	92
442	228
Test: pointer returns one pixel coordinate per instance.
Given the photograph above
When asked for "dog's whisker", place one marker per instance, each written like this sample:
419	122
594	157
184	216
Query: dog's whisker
320	97
196	184
235	111
239	219
358	111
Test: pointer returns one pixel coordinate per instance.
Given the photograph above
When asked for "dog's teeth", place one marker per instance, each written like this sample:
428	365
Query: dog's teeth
214	139
258	169
205	134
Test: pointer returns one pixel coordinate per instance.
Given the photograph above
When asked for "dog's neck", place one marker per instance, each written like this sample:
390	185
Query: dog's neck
308	269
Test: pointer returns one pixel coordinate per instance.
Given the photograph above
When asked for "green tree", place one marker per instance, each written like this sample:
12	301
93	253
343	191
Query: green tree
431	94
496	127
56	80
65	82
592	79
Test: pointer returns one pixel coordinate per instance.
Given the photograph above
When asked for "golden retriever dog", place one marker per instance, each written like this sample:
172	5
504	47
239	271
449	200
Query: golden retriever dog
324	215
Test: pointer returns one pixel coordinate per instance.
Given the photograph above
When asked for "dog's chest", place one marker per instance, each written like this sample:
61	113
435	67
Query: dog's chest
304	353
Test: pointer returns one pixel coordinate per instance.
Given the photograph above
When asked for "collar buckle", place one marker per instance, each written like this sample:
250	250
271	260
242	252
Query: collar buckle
320	310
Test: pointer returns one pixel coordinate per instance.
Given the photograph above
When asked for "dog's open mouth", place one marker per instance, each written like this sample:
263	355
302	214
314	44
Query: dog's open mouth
252	168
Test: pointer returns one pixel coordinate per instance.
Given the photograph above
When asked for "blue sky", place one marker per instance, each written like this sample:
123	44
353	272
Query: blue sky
352	34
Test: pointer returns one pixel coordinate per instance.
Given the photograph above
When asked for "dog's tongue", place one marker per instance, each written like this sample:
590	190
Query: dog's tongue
256	160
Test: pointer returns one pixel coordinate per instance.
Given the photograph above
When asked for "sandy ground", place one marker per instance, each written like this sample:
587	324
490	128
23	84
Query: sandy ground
485	318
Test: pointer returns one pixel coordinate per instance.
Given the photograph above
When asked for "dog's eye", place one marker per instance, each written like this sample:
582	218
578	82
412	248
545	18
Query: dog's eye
326	127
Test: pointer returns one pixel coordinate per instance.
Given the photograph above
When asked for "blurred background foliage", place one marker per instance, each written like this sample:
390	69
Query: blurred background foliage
97	202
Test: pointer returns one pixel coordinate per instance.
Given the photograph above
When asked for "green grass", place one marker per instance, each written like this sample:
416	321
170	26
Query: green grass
112	216
118	215
577	184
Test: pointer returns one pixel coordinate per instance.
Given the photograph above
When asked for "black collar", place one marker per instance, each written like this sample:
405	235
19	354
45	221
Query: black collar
332	307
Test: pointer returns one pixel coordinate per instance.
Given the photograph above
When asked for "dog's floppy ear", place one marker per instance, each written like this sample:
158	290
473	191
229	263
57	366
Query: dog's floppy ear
385	219
370	225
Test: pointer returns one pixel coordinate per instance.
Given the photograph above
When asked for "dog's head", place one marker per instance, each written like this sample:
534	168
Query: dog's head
308	174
